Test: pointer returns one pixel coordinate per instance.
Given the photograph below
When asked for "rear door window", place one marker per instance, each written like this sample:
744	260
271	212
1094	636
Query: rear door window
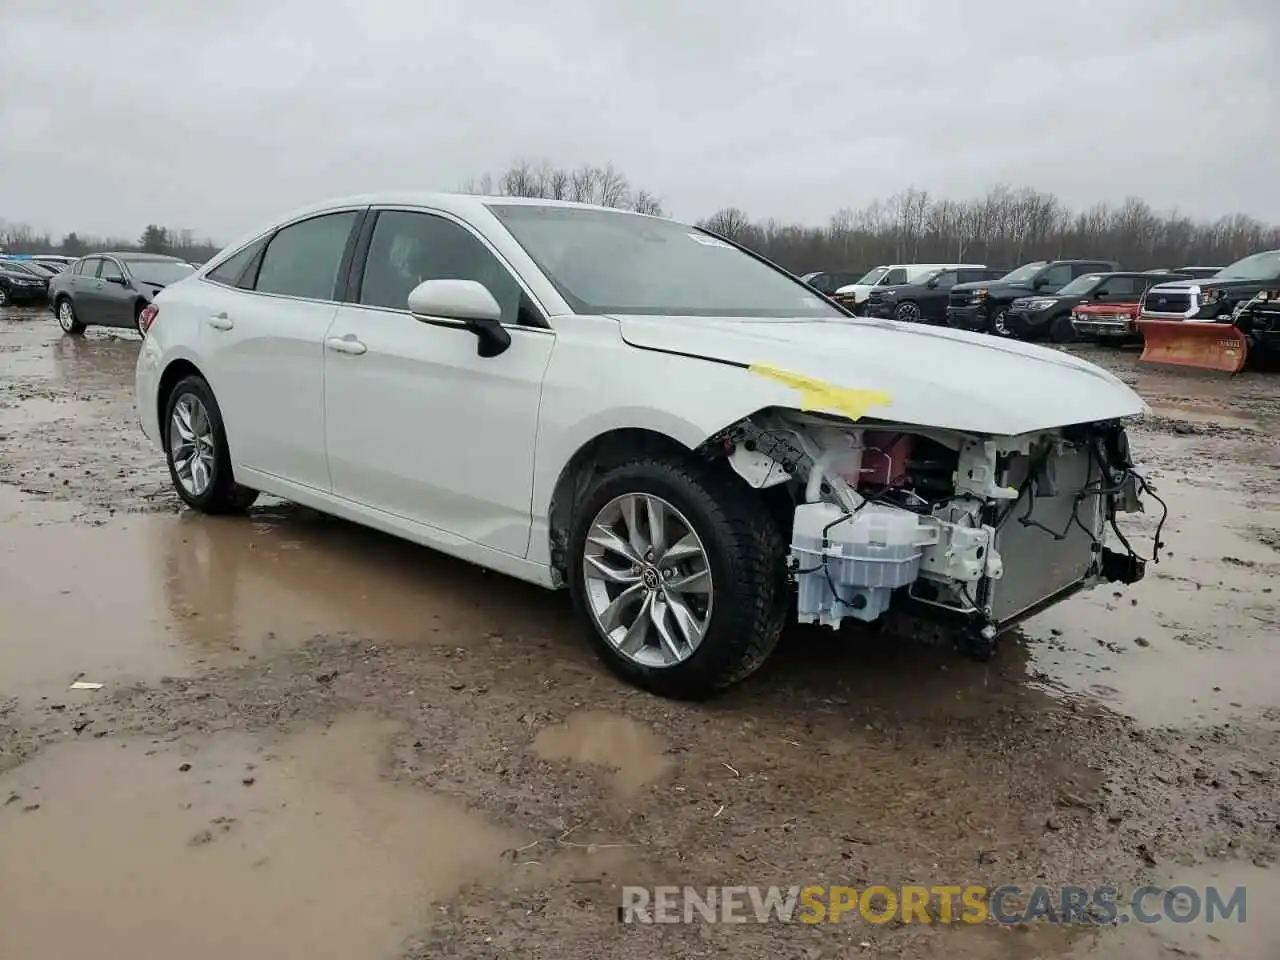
302	260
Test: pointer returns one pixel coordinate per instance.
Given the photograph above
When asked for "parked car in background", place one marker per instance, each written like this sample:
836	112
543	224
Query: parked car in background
925	300
828	283
20	284
111	289
42	268
854	296
1199	273
1048	317
1112	318
591	402
984	307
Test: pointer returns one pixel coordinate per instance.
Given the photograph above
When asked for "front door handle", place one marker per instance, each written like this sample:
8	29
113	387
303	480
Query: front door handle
220	321
348	344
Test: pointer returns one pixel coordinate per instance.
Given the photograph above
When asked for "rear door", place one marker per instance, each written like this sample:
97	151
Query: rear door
265	318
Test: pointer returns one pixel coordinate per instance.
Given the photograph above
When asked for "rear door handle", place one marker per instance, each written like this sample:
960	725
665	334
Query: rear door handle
220	321
348	344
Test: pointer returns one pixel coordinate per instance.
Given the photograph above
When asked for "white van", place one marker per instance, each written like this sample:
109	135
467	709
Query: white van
854	296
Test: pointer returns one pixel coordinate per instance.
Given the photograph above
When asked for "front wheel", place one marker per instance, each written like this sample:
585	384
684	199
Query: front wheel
678	570
907	312
999	323
1062	330
67	319
196	449
4	297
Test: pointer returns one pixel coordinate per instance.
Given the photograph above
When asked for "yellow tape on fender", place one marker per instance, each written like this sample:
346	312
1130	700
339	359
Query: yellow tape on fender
821	395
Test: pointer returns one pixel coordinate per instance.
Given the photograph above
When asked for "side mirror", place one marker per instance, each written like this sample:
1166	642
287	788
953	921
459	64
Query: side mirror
1100	295
119	281
931	284
1040	283
468	302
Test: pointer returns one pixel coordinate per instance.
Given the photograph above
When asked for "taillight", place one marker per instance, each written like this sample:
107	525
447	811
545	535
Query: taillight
147	317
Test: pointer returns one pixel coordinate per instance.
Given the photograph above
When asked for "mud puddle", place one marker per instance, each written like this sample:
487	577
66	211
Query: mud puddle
1175	648
229	847
144	596
1202	412
631	751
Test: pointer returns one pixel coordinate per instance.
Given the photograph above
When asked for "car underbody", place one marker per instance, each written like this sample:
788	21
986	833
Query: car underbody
980	531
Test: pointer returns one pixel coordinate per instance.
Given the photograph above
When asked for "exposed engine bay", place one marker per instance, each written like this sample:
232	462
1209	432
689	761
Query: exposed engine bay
989	530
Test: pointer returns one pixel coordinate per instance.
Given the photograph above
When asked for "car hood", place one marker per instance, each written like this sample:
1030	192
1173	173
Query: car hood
860	289
935	377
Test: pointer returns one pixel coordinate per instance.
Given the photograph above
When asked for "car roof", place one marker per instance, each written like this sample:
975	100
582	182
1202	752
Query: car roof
134	255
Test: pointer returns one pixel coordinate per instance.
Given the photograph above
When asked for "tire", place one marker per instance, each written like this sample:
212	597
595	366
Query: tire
219	493
1062	331
4	297
908	312
137	316
67	319
743	552
998	326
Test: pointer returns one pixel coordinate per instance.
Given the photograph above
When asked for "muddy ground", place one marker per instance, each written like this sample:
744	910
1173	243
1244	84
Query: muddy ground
313	740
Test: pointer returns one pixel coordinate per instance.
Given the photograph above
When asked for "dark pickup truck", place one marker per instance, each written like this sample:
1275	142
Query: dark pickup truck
1216	297
924	301
985	306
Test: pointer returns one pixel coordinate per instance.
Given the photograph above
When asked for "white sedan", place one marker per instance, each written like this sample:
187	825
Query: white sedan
678	431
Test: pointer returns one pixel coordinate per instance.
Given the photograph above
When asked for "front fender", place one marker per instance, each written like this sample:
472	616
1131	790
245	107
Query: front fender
596	384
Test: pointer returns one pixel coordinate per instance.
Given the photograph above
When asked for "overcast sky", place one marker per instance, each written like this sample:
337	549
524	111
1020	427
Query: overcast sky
215	116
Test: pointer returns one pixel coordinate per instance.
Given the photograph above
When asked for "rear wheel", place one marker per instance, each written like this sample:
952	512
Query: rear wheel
4	297
196	449
137	316
678	570
67	319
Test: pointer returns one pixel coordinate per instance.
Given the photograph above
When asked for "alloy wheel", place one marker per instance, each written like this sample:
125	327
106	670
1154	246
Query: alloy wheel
191	444
648	580
908	313
66	316
998	324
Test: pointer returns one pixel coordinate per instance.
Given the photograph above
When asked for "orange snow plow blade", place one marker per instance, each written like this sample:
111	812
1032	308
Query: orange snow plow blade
1204	346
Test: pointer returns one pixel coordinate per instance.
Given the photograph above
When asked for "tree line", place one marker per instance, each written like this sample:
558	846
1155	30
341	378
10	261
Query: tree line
1004	228
21	238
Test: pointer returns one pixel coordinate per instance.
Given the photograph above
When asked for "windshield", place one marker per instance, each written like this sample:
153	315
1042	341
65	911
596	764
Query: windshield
873	277
604	262
1024	272
1080	285
160	272
19	267
1260	266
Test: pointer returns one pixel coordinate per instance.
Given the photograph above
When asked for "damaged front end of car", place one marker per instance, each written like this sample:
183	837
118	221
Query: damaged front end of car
982	531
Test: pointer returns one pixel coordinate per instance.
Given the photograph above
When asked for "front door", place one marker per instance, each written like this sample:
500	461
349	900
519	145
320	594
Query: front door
117	300
418	425
263	343
86	292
